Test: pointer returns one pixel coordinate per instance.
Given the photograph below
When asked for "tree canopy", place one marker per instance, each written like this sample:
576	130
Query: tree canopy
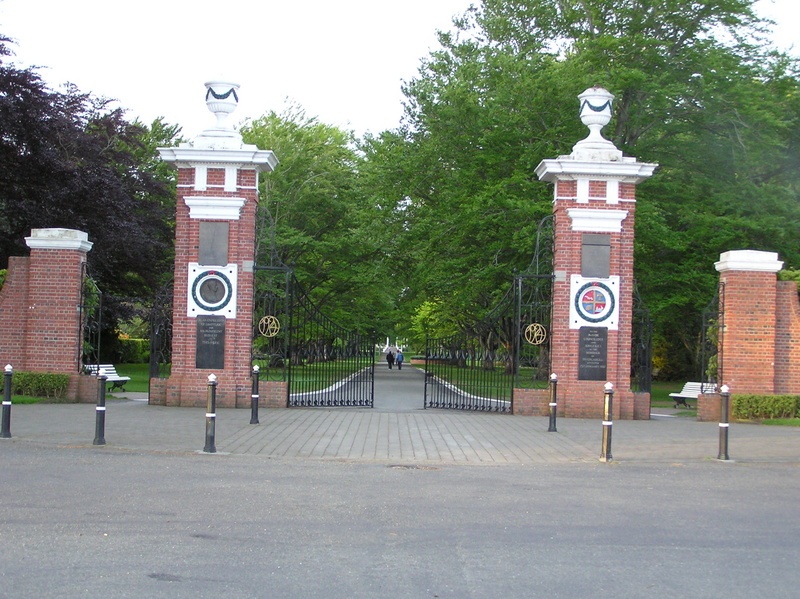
68	159
697	91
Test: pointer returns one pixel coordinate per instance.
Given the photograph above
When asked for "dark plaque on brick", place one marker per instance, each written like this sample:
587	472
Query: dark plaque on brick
210	349
593	354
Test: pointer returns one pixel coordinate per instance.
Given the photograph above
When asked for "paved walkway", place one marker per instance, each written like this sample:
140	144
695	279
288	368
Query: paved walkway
397	430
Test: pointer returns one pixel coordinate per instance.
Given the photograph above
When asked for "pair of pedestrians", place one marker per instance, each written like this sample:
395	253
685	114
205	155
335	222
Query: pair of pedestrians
392	358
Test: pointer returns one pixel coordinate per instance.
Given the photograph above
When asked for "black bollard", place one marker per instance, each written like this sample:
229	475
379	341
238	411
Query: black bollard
211	414
724	425
100	411
254	397
6	430
608	399
553	403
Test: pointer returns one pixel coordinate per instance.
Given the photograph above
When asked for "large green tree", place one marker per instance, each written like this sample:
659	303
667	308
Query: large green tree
313	217
697	91
70	160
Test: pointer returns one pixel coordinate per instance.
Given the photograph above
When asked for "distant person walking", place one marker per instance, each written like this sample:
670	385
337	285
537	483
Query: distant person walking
390	359
399	360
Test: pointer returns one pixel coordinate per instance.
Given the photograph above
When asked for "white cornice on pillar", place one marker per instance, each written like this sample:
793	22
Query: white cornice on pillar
595	157
209	208
748	260
597	221
219	146
59	239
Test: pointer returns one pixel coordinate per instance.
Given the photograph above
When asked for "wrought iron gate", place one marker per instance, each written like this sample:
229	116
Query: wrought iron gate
324	364
641	346
91	321
161	332
711	338
479	368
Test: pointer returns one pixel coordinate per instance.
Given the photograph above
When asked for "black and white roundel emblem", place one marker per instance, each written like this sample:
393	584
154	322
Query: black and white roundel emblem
595	302
212	290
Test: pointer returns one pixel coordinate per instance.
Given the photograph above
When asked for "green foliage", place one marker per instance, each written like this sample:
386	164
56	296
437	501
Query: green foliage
696	92
760	407
314	218
132	351
3	274
38	384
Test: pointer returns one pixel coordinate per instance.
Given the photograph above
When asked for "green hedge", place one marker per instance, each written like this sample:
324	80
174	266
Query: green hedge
132	351
38	384
763	407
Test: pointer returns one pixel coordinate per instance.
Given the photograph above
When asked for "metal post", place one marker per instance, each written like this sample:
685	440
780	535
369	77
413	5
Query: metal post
723	422
254	397
211	414
6	433
553	402
100	411
608	397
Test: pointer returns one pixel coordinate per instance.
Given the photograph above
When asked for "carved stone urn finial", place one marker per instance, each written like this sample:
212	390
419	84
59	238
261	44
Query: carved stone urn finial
222	99
595	113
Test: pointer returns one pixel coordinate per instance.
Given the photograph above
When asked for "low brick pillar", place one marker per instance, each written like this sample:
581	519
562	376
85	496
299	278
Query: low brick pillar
531	402
709	407
272	394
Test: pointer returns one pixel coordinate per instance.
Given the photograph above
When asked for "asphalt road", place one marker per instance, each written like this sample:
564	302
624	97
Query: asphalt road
113	523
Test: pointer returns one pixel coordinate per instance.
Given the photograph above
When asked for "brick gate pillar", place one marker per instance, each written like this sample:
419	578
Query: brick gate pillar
51	322
747	357
594	207
217	198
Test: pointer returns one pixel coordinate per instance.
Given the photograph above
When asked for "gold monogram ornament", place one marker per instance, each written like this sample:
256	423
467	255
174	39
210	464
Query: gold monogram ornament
269	326
535	334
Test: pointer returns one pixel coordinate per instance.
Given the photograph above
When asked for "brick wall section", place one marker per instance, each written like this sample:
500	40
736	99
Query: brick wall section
39	311
532	402
749	342
53	337
787	338
14	313
187	385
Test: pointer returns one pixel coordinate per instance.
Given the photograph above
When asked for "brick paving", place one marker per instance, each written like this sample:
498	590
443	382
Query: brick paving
398	430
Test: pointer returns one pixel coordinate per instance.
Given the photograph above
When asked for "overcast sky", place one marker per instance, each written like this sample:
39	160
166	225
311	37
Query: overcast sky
342	60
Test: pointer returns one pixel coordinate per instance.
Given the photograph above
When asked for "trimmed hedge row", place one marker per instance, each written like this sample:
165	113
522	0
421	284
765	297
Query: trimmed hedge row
38	384
762	407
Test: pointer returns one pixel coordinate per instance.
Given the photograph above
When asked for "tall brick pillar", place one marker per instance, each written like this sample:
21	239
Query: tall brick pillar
747	357
595	208
217	198
51	323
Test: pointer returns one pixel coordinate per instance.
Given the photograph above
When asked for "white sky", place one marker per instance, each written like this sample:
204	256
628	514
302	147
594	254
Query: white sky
341	60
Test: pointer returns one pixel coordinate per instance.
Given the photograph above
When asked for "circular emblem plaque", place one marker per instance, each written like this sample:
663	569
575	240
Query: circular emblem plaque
535	334
269	326
212	290
595	301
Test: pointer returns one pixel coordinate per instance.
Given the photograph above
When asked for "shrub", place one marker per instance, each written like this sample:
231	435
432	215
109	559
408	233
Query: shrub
761	407
132	351
38	384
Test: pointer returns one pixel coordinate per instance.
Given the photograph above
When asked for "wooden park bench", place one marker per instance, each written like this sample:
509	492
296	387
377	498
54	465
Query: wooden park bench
691	391
117	381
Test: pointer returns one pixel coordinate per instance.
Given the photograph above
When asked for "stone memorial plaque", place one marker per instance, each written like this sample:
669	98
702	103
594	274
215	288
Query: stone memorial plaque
210	348
593	354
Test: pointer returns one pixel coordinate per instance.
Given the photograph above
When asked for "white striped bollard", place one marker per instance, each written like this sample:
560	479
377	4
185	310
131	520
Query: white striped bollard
608	404
724	425
254	397
100	410
553	403
211	414
6	428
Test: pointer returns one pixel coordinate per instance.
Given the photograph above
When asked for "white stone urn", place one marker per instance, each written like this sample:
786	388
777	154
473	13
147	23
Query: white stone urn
222	99
595	113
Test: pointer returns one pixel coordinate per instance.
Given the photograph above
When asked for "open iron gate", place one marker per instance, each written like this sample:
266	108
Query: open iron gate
478	368
324	364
